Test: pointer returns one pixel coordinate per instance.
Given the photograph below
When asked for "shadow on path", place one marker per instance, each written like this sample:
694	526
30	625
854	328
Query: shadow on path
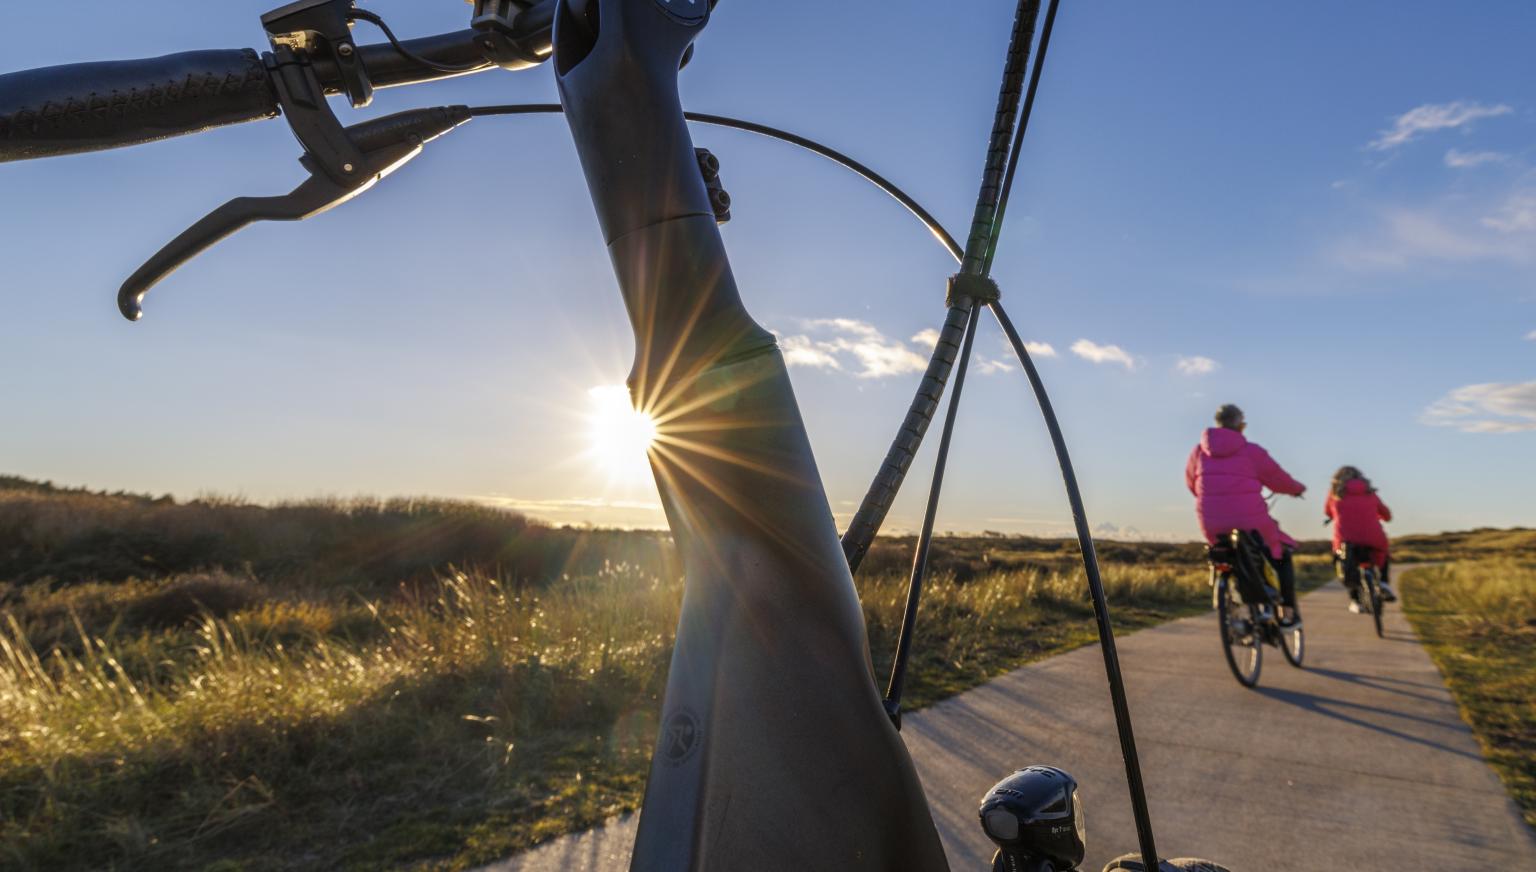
1321	705
1382	683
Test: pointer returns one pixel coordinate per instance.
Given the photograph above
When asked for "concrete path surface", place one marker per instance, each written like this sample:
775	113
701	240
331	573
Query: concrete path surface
1358	762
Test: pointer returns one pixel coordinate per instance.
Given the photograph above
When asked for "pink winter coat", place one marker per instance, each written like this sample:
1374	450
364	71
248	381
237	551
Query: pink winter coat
1357	518
1225	473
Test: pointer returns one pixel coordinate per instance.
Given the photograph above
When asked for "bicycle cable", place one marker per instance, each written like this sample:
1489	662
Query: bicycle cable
377	21
962	319
972	280
1134	781
911	205
1118	700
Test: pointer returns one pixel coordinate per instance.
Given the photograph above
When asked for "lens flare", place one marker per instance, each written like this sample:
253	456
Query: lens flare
619	436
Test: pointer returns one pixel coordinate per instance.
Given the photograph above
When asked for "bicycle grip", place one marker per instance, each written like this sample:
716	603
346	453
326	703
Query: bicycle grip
106	104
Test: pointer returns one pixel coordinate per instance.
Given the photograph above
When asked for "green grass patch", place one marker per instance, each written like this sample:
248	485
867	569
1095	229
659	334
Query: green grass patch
1478	620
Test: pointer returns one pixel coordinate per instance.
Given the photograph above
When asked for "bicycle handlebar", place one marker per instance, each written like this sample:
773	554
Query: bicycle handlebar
85	107
93	106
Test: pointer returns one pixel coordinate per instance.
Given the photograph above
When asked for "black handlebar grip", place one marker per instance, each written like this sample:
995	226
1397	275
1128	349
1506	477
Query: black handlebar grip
87	107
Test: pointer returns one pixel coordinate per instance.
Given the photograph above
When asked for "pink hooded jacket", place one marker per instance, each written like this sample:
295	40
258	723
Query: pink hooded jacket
1357	518
1225	473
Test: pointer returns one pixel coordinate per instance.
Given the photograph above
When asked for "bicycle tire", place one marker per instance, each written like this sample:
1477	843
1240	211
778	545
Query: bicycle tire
1368	575
1229	611
1293	643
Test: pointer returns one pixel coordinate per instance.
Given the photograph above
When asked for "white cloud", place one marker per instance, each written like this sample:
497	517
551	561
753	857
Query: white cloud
1531	336
801	351
1197	365
850	345
1497	407
1409	236
1516	215
927	339
1092	351
1464	159
1434	116
988	366
1040	349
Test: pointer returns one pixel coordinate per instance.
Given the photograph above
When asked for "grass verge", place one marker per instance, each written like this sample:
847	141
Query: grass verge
430	730
1478	620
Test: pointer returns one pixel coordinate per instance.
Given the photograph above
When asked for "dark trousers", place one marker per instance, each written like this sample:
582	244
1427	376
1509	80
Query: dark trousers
1285	568
1250	583
1352	577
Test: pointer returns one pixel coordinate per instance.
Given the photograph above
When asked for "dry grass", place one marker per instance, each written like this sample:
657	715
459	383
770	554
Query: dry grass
1478	620
217	685
1477	544
473	705
73	536
464	725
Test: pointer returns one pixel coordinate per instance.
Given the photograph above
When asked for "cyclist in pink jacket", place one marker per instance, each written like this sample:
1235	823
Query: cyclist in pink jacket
1227	474
1356	512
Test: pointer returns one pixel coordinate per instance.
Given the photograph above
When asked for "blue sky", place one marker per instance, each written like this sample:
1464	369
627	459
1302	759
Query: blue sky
1325	213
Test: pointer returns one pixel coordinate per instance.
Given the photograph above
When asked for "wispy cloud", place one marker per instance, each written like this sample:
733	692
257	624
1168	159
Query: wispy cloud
1410	236
852	346
1466	159
1497	407
1093	351
1431	117
859	349
802	351
930	338
1197	365
1516	215
1531	336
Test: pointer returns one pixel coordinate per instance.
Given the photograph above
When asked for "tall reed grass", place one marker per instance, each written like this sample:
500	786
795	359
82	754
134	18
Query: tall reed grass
463	721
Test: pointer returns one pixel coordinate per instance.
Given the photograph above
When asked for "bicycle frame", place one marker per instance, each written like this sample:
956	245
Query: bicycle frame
775	750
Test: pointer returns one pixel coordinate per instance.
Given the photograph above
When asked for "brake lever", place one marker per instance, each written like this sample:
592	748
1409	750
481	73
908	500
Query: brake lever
383	145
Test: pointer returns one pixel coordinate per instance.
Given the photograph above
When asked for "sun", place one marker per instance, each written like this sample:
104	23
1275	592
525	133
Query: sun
619	436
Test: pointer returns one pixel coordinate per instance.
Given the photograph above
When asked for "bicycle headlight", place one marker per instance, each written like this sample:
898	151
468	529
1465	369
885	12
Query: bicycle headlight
1035	812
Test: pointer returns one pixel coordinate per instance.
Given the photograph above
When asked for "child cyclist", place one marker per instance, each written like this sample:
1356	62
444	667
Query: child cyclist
1357	512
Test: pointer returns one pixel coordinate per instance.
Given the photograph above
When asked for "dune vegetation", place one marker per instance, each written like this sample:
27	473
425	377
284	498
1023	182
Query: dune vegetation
1478	620
407	683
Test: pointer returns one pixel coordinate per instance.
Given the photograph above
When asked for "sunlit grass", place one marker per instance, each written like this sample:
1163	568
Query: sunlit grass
219	685
1478	620
307	755
445	727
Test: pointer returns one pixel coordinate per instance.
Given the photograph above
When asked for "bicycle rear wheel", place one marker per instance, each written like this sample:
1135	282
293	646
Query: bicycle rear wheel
1368	578
1293	643
1240	630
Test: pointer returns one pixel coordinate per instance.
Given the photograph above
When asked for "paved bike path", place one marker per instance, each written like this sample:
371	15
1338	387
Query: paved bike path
1361	761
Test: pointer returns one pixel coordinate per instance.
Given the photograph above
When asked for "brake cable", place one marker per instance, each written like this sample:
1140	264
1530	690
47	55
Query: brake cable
377	21
962	318
1116	680
931	223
